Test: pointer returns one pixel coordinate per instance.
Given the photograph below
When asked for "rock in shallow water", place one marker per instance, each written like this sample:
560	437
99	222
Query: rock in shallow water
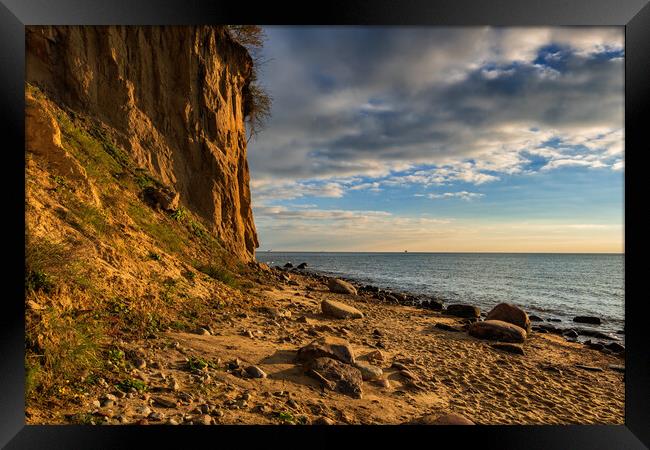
498	331
587	319
340	310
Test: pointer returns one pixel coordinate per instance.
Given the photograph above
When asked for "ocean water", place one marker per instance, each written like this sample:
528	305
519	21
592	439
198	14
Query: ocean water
558	286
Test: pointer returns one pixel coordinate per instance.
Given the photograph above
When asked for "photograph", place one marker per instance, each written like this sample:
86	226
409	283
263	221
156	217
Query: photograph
324	225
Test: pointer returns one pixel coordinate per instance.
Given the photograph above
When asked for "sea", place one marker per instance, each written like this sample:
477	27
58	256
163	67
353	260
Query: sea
552	286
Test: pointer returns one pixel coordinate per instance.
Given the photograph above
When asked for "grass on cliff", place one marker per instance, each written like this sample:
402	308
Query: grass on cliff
75	312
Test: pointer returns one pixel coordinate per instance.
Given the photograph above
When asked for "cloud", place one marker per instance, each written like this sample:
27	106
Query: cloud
463	195
435	105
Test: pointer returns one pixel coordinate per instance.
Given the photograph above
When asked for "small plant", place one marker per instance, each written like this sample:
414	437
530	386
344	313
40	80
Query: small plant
131	383
37	280
191	276
286	417
155	256
180	215
219	274
198	363
59	182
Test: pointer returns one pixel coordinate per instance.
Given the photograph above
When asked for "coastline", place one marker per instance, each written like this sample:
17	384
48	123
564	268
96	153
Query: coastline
450	372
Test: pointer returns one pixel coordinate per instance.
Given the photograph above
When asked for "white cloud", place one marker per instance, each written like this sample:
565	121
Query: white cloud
463	195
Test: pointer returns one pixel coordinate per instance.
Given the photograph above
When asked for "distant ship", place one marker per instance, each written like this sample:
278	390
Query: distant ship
406	251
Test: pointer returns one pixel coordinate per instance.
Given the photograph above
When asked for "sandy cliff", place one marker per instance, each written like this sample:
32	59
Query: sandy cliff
175	99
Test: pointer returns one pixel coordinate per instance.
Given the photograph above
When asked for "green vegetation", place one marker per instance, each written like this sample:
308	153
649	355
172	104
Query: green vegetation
219	273
60	348
131	383
198	363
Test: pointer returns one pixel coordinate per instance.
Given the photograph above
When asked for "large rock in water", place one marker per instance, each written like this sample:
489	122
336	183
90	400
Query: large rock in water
329	347
340	310
587	319
337	376
513	314
467	311
341	287
497	330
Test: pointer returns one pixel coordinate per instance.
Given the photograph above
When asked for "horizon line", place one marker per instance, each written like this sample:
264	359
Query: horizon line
440	252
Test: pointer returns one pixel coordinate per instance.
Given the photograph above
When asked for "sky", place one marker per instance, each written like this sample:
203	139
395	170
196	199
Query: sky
432	139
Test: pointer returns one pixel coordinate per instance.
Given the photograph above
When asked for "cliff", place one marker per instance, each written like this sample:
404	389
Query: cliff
174	98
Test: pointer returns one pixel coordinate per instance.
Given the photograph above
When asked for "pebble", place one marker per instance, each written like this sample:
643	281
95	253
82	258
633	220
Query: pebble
96	403
172	422
139	363
156	416
399	366
203	332
205	419
164	402
323	421
143	410
107	403
255	372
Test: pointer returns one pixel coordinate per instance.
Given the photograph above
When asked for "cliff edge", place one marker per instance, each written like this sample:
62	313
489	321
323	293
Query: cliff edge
174	98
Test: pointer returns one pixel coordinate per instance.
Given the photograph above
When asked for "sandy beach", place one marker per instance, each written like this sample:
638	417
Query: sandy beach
448	372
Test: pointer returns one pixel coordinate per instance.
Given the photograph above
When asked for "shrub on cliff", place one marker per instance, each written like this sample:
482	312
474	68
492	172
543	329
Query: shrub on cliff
257	100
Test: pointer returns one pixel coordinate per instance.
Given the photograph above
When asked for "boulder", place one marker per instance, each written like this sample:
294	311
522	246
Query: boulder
572	334
445	419
459	310
161	197
340	310
497	330
534	318
341	287
302	266
328	347
432	304
587	319
510	313
594	333
615	347
288	265
368	371
337	376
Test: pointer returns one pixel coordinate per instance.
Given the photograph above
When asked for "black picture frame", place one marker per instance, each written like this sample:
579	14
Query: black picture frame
634	15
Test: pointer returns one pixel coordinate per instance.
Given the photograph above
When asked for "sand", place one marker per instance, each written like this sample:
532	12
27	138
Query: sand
456	373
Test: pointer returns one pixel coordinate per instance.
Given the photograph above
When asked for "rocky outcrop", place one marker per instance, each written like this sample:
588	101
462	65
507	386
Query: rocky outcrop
174	97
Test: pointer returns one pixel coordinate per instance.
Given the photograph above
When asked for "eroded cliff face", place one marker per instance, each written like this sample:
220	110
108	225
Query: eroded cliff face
174	97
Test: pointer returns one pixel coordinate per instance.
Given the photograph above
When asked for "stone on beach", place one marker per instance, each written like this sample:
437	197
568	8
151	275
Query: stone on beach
329	347
444	419
510	313
368	371
340	286
497	330
460	310
340	310
343	378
